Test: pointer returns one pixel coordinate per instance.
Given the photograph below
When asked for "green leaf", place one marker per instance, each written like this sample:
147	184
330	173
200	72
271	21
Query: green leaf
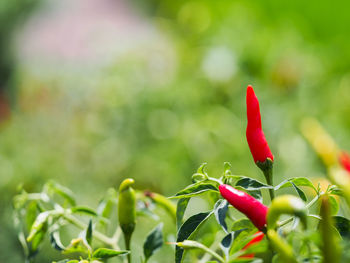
243	223
64	192
201	169
83	210
342	224
251	184
334	205
106	204
31	213
67	261
190	244
300	192
187	230
38	225
247	231
335	190
153	241
88	233
220	210
38	238
55	241
104	253
180	211
195	189
297	181
227	241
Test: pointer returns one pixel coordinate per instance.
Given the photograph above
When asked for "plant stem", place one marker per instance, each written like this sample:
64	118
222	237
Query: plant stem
98	235
206	256
269	180
127	239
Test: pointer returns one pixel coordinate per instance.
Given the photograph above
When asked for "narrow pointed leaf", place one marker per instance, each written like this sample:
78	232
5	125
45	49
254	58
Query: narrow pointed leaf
84	210
187	230
153	242
180	211
195	189
104	253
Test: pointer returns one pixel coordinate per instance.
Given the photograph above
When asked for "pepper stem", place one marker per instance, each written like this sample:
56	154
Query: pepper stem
127	238
267	168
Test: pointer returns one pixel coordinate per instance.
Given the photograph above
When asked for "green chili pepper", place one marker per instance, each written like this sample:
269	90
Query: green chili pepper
127	211
286	204
283	249
331	249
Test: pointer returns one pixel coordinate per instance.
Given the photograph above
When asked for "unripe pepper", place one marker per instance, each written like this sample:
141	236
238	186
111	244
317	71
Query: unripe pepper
344	159
246	204
331	248
255	135
284	250
286	204
322	143
127	210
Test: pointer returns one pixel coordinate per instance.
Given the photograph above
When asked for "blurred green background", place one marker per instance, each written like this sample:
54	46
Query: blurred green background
94	91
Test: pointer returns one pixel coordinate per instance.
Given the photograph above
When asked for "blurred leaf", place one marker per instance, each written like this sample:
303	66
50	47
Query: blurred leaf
64	192
84	210
342	224
153	241
247	230
77	245
31	214
67	261
220	210
195	189
187	229
55	241
38	238
334	205
104	253
335	190
180	211
315	216
106	204
144	211
88	233
243	223
38	225
258	247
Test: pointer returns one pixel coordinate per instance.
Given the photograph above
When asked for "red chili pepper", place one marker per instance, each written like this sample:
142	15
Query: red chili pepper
246	204
259	236
344	159
255	135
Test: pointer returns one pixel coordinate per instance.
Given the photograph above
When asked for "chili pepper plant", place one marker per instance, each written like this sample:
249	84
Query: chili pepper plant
248	220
